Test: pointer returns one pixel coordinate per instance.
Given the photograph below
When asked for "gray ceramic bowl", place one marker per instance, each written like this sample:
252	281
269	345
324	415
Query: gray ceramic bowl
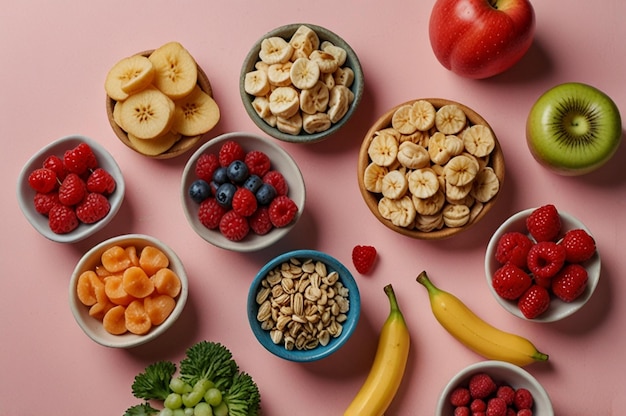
25	193
286	33
279	349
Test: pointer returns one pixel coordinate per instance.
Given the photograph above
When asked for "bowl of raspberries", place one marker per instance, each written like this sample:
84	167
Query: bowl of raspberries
542	264
242	192
70	189
494	388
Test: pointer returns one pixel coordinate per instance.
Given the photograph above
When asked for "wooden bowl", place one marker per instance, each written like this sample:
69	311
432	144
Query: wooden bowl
184	144
496	161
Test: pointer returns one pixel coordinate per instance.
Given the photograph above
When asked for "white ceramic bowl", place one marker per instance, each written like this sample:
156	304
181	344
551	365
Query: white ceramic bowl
500	371
286	32
319	352
25	193
558	309
280	160
92	326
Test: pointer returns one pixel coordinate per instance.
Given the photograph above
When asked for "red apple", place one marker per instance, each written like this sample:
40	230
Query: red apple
481	38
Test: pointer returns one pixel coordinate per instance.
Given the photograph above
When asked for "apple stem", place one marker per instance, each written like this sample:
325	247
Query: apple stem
494	4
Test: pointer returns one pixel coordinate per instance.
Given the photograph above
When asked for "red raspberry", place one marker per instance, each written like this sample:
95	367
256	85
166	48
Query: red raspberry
481	385
478	406
44	202
510	282
544	223
229	152
363	258
260	222
244	202
62	219
534	301
545	259
42	180
93	208
579	246
72	190
511	412
79	159
462	411
570	282
277	180
523	399
55	163
460	397
210	212
234	226
496	407
206	165
258	163
513	248
101	182
507	393
524	412
282	211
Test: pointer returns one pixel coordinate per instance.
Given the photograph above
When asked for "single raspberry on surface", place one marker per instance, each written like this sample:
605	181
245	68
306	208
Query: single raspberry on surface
570	282
62	219
206	165
460	396
93	208
234	226
260	222
363	258
210	212
481	385
229	152
79	159
510	281
544	223
496	407
534	301
258	162
42	180
523	399
282	211
101	182
55	163
244	202
545	259
507	393
513	248
44	202
72	190
277	180
579	246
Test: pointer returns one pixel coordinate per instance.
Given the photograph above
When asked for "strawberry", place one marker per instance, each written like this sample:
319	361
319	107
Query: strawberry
481	385
72	190
579	246
510	282
545	259
282	211
101	181
513	248
233	226
544	223
42	180
570	282
534	301
363	258
62	219
93	208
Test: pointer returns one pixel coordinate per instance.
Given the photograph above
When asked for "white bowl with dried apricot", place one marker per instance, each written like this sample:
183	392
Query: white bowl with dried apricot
430	168
128	290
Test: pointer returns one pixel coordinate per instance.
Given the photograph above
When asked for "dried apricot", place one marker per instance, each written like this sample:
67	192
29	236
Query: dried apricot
99	309
152	259
115	259
84	289
114	320
167	282
136	318
114	289
137	283
132	255
159	307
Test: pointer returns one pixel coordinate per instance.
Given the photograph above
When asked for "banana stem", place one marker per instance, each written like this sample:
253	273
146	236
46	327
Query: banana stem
393	301
423	279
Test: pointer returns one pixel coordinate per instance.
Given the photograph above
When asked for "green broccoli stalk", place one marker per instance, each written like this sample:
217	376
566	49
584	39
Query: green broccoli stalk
208	361
141	410
154	382
243	397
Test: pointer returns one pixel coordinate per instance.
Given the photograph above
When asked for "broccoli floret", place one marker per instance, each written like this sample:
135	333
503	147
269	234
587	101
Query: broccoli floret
243	397
208	361
141	410
154	382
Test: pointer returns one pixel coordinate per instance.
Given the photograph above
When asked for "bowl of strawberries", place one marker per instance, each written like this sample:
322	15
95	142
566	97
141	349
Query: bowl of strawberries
542	264
70	189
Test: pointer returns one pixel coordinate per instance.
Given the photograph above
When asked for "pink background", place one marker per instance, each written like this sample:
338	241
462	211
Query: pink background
55	58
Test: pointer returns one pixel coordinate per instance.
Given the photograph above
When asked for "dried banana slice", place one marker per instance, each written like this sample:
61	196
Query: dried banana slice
256	83
315	100
479	140
423	115
338	52
339	102
275	50
291	125
280	74
373	177
460	170
437	150
304	41
284	102
315	123
431	205
486	185
401	120
423	183
304	73
343	76
455	215
394	185
383	149
428	223
326	61
403	212
413	156
450	119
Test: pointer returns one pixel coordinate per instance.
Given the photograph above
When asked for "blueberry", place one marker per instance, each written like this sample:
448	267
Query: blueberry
237	171
253	183
220	175
224	194
265	194
199	190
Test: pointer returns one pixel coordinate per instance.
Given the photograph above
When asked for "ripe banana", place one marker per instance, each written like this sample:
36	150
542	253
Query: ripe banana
475	333
386	374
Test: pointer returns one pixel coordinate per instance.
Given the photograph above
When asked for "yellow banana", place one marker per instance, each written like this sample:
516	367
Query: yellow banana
475	333
384	378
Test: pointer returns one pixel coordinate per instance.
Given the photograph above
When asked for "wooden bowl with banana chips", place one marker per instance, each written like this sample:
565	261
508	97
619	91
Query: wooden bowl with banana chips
160	102
430	168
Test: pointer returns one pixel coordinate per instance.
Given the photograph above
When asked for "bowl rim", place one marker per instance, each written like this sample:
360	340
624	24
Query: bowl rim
593	265
184	144
254	243
485	365
84	230
127	340
324	34
497	162
349	325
